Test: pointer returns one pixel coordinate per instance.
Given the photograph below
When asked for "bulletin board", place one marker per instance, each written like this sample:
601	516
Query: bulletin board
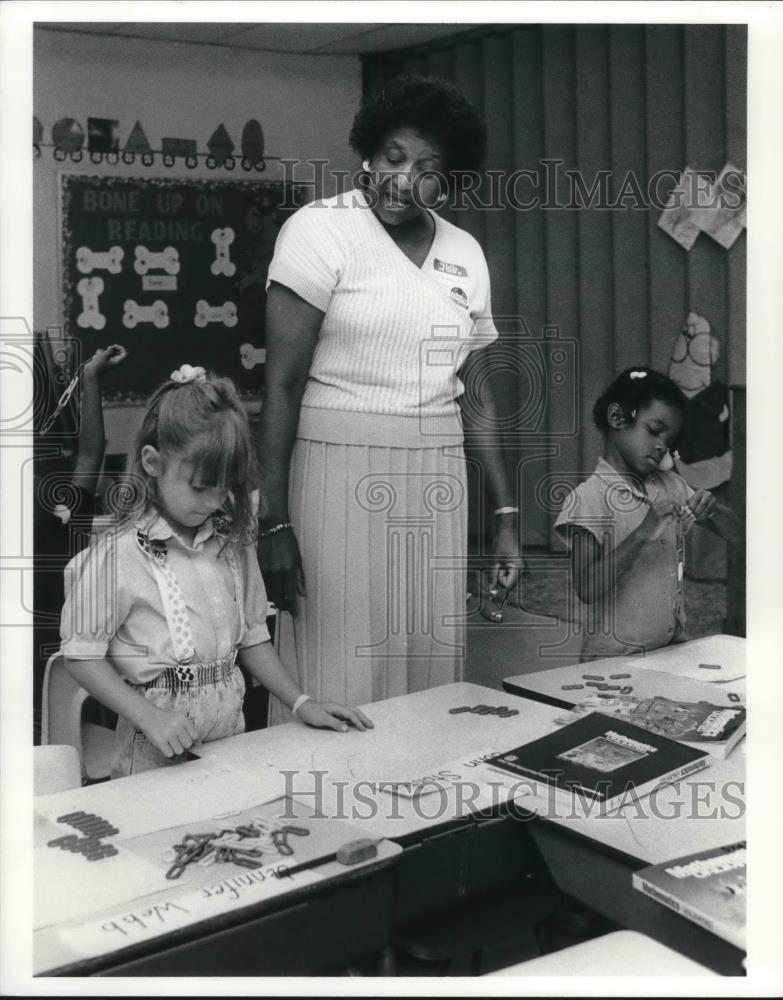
172	269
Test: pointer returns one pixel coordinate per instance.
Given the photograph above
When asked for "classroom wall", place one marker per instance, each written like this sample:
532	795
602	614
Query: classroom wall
305	105
622	98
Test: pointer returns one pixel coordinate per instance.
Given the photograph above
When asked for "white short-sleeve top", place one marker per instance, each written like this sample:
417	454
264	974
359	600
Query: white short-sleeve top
393	335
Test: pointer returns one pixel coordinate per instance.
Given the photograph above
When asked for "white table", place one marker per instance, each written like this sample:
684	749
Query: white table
683	658
719	788
416	737
621	953
557	687
706	811
119	908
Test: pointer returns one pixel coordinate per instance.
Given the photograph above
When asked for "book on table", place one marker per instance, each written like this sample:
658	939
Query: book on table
714	728
707	887
600	759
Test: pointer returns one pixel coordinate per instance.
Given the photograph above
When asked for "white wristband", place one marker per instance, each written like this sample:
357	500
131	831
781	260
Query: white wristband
507	510
299	702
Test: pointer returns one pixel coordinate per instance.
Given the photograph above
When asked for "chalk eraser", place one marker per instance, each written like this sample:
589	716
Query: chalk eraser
357	850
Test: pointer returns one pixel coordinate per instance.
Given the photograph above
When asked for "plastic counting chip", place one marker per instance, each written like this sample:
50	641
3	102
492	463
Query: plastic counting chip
89	845
502	711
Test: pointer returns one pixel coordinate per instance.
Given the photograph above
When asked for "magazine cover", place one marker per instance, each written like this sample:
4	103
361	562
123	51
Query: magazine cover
718	727
601	758
707	887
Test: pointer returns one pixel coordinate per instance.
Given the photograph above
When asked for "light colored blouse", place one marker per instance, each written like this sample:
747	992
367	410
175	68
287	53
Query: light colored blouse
645	608
393	335
113	607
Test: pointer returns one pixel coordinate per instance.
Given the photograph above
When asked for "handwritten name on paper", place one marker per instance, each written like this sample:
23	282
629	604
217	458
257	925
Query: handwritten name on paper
143	922
450	776
159	283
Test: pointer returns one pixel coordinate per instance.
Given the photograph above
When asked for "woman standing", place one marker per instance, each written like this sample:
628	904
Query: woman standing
375	305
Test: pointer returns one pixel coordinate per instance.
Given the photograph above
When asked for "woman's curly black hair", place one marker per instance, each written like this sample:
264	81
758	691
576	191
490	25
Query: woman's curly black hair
433	107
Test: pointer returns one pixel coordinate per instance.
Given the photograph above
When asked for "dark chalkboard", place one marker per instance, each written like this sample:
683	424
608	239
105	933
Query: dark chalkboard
172	269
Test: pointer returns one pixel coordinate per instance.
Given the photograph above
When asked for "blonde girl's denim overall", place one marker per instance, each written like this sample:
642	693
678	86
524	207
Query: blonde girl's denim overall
209	694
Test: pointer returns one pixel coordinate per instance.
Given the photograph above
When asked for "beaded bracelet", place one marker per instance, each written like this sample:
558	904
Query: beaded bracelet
273	531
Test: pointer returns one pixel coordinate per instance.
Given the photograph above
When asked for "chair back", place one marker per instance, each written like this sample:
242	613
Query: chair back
56	768
61	706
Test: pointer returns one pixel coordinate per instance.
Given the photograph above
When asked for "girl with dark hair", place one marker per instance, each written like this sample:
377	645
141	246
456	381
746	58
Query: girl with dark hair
625	524
376	313
158	610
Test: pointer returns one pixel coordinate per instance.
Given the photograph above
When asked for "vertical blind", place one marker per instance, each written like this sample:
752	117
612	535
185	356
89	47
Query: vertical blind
581	292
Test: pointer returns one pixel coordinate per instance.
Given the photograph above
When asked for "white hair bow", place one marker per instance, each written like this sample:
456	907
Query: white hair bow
187	373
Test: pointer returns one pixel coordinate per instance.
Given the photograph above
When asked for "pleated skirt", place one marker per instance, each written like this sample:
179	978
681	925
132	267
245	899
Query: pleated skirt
379	506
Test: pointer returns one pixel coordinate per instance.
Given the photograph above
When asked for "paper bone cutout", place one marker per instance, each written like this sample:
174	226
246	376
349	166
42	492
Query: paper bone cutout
90	260
166	260
223	238
251	356
225	314
90	316
157	314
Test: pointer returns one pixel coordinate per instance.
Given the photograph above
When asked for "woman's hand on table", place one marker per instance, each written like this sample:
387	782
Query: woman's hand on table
281	567
330	715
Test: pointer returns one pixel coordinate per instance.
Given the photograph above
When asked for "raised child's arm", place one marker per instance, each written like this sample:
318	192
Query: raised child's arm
92	438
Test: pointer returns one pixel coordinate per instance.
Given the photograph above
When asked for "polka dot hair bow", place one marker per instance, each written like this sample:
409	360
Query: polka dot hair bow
187	373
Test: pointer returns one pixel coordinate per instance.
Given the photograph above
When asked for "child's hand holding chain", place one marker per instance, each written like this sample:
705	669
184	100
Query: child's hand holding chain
700	507
171	732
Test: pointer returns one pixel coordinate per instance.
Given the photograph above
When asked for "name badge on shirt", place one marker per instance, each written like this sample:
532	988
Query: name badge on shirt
453	278
455	270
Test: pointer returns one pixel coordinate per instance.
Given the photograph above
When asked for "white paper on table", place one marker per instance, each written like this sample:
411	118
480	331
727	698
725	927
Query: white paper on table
166	797
464	786
683	659
216	889
66	886
140	922
44	830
